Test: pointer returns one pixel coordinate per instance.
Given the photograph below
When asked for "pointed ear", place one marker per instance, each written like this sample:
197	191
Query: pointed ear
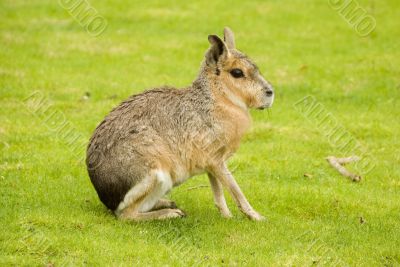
218	50
229	38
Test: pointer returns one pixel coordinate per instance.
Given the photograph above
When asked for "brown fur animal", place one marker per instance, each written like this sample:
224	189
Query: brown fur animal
158	139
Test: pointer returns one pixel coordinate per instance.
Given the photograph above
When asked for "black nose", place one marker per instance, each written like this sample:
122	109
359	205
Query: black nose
269	92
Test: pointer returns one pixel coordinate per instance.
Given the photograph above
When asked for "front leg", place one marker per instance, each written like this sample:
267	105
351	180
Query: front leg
219	198
164	204
221	173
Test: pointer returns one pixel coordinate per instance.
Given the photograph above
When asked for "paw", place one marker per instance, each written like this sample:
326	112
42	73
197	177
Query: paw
172	205
164	204
255	216
174	213
226	214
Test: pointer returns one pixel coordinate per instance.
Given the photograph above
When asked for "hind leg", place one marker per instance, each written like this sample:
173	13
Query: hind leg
153	215
141	199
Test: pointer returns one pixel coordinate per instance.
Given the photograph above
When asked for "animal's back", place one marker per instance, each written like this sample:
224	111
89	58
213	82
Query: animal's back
131	137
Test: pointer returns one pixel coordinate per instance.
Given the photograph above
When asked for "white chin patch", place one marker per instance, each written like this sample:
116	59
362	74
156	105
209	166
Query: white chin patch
271	101
268	103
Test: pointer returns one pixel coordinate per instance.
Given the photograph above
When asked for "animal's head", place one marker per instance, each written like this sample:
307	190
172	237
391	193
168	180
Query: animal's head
236	74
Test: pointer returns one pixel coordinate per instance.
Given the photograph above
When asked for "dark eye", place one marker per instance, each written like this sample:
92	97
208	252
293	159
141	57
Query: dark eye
237	73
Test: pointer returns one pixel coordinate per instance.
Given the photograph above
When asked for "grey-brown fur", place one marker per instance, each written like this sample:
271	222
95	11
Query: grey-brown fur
165	133
166	114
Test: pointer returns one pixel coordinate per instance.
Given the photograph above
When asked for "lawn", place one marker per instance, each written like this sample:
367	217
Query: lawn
49	211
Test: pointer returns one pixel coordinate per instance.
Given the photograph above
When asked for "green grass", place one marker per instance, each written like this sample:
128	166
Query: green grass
49	211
